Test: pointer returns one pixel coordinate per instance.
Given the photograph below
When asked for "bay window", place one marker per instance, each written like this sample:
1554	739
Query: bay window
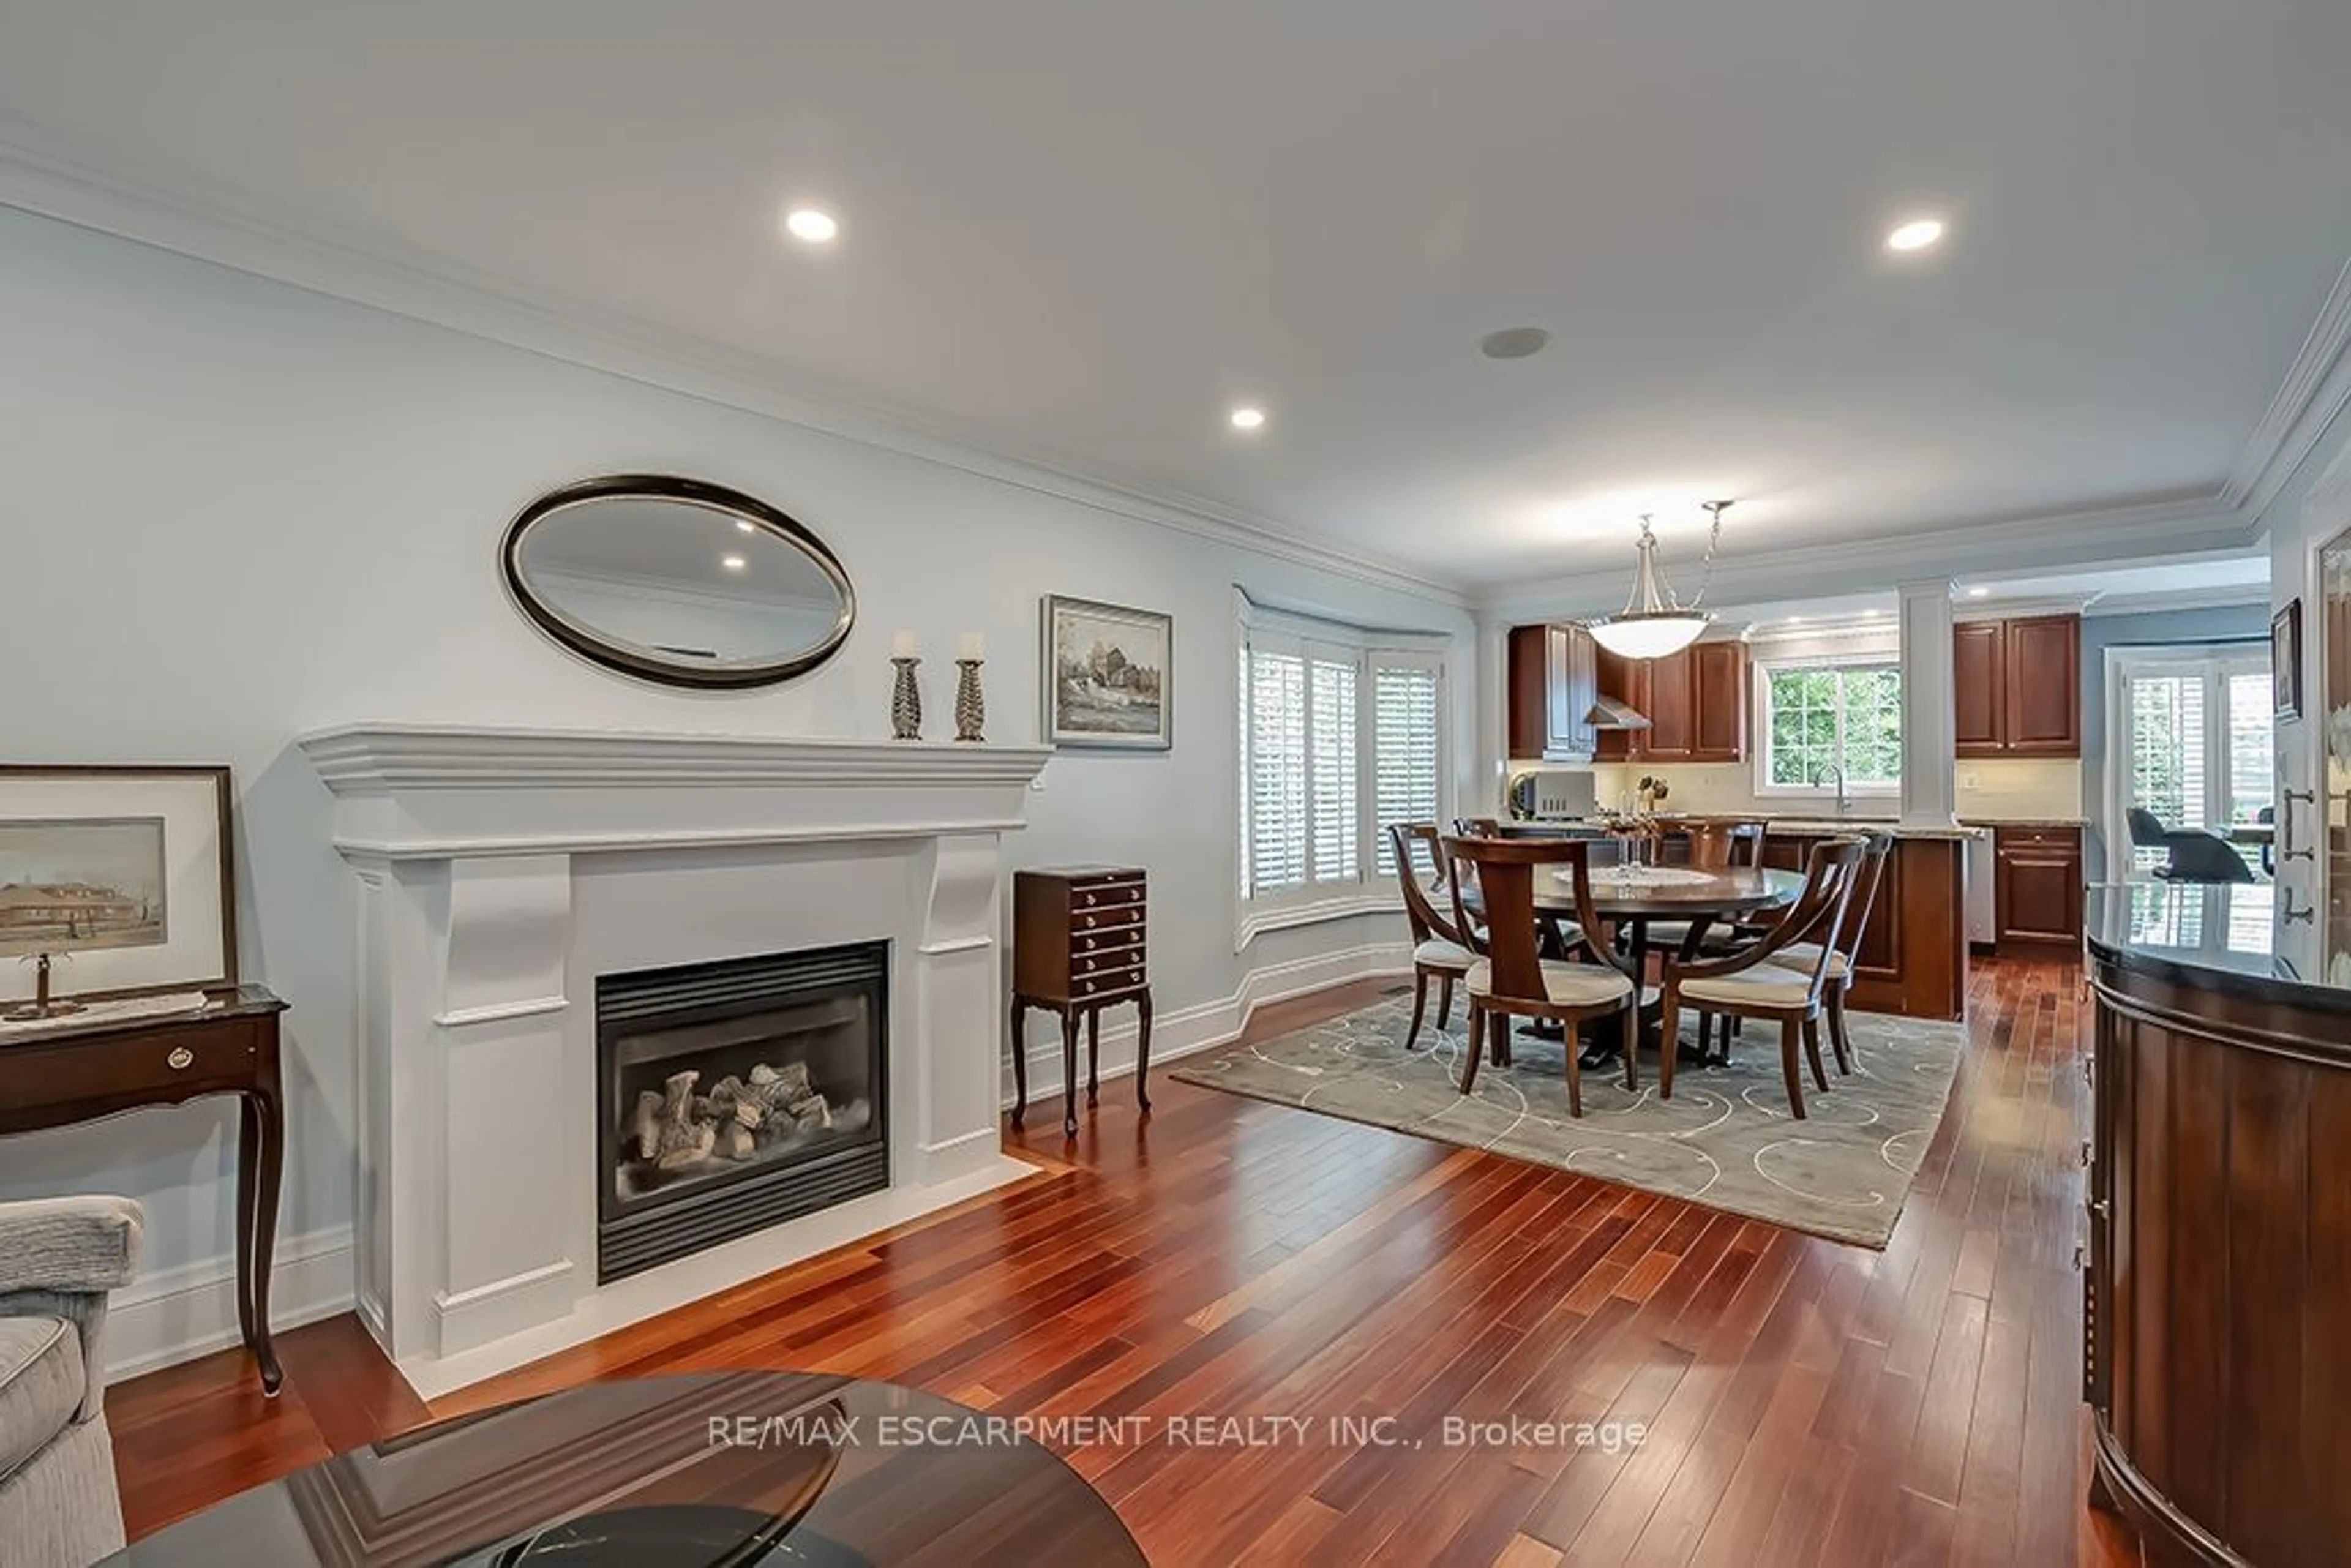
1342	734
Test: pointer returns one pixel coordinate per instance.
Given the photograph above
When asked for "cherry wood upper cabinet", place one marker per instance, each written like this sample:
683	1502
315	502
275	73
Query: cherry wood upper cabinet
2019	686
1720	692
1628	680
1552	676
2045	686
1672	735
1695	702
1980	666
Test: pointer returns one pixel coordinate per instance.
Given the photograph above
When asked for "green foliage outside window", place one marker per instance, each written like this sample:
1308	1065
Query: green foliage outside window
1830	717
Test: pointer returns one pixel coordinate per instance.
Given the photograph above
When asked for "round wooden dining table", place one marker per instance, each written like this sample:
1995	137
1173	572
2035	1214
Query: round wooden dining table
1634	897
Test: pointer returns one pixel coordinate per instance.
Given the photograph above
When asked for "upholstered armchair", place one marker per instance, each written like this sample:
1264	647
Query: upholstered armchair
58	1259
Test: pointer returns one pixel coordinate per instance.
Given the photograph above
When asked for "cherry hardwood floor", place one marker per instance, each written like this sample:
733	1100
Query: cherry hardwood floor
1803	1401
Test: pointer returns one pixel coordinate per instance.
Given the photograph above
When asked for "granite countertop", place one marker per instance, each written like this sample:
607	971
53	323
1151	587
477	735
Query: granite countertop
1793	823
2025	822
1801	822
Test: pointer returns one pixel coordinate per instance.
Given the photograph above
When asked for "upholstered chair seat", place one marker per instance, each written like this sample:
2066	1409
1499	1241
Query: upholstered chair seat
1805	957
1437	953
1566	985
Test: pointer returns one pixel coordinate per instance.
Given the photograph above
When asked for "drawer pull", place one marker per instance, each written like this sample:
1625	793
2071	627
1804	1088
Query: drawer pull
2101	1208
181	1059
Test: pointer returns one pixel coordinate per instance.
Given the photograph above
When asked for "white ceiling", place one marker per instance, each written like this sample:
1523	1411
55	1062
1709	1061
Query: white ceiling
1080	231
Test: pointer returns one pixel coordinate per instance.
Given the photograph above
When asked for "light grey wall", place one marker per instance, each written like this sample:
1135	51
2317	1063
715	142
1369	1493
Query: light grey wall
2222	624
2308	512
236	511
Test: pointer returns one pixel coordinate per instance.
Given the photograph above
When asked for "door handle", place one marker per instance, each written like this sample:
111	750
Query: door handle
2285	826
2292	914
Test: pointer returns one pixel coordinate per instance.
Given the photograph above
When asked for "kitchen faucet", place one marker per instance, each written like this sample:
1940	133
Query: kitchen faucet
1838	769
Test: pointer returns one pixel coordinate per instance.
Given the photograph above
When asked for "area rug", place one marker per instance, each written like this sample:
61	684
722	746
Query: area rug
1725	1140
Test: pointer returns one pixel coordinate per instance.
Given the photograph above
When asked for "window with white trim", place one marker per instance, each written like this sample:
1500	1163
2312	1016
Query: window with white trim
1342	734
1819	721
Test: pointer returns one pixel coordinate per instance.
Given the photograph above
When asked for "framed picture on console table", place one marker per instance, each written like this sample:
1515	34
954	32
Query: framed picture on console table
1109	676
121	877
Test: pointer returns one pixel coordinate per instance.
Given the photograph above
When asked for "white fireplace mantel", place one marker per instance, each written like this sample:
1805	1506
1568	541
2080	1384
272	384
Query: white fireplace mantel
499	870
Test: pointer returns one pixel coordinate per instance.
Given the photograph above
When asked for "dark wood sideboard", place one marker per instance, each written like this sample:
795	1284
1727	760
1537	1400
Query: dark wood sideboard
1078	947
2217	1288
79	1072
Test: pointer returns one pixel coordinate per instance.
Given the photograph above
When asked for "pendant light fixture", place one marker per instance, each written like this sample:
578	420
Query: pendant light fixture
1654	623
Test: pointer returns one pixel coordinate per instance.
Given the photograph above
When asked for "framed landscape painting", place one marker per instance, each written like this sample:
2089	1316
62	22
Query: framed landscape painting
119	876
1108	676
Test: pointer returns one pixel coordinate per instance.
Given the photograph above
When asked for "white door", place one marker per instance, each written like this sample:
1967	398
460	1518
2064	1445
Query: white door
2188	739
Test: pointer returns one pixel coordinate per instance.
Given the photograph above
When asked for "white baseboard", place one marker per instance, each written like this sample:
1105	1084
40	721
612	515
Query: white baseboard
1210	1024
176	1314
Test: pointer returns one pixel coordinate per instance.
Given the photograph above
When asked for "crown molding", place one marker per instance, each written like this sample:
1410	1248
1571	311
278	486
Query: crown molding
230	229
39	175
2231	596
2307	402
2049	542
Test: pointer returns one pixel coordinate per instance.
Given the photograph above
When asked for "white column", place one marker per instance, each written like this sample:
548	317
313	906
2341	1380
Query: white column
1929	706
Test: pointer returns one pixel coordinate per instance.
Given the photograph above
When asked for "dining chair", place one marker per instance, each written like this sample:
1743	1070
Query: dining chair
1440	950
1734	987
1478	827
1713	846
1844	959
1512	979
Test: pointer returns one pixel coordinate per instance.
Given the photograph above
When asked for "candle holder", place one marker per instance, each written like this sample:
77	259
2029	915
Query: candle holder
905	701
971	706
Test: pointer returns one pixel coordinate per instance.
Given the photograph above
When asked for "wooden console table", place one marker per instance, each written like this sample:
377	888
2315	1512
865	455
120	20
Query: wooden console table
80	1071
1077	948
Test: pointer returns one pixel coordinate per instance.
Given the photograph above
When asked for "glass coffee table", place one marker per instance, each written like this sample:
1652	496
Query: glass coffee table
723	1470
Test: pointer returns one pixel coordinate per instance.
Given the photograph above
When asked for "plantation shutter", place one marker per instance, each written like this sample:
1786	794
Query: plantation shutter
1275	771
1405	761
1335	763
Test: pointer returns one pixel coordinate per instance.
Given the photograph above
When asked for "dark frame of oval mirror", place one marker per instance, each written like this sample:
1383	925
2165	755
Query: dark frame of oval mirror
625	553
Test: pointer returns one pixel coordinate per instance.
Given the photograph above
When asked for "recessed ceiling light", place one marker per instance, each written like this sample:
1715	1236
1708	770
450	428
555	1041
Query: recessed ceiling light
744	526
1871	614
1978	593
811	223
733	562
1916	234
1795	621
1513	342
1249	418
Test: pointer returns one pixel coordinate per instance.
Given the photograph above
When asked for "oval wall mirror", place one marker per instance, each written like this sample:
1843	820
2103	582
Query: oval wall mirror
678	580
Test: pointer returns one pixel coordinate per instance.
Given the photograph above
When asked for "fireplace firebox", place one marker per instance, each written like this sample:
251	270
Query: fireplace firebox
738	1094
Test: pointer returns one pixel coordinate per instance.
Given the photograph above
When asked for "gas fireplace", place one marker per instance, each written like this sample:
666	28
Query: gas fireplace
738	1094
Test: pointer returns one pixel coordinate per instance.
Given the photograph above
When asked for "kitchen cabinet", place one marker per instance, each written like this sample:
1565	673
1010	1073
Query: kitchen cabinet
1552	678
1695	702
1980	674
2037	884
1720	700
2017	687
1628	680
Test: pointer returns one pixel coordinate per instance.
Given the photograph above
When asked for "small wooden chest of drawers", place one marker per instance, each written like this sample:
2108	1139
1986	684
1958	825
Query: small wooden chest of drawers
1079	938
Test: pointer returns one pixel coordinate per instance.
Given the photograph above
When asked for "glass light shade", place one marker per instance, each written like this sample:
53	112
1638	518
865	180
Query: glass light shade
1639	635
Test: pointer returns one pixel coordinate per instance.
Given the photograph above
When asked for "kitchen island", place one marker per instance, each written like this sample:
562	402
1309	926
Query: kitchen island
2216	1285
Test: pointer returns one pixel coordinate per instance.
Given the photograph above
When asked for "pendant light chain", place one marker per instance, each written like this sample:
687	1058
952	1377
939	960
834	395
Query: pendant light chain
1713	539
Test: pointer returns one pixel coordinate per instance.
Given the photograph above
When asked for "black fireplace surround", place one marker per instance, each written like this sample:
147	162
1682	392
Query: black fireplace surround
738	1094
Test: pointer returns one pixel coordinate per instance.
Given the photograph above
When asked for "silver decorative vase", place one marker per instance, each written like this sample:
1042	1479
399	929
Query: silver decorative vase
971	706
907	702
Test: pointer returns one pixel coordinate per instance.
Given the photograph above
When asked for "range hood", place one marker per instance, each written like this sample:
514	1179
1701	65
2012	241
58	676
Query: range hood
1607	713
